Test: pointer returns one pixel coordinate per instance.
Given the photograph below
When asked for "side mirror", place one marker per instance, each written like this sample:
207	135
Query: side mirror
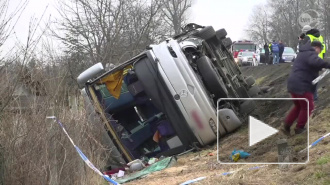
90	73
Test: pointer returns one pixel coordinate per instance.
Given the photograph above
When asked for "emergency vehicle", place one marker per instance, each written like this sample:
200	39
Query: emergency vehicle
242	45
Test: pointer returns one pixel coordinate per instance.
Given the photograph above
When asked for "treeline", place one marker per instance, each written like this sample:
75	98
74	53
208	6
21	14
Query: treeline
279	20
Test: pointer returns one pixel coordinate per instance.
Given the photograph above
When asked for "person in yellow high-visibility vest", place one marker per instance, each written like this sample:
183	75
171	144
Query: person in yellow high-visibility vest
313	35
308	36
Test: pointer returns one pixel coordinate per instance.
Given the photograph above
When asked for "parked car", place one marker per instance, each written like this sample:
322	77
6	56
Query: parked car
165	100
247	58
289	55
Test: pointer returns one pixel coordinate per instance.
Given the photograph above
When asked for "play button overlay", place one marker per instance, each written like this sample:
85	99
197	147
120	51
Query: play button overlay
251	131
259	131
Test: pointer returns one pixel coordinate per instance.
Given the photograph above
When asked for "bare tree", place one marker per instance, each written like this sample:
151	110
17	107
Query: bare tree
105	28
106	31
175	12
279	20
259	24
13	62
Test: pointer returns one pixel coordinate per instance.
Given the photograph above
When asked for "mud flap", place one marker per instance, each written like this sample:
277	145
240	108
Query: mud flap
229	119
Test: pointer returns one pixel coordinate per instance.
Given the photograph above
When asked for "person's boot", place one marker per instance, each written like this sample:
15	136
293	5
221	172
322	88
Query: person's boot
286	129
299	130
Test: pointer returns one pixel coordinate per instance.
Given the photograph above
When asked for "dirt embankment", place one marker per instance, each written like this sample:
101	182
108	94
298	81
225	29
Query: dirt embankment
204	163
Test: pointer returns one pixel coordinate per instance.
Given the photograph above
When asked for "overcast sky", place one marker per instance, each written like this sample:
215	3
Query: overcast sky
232	15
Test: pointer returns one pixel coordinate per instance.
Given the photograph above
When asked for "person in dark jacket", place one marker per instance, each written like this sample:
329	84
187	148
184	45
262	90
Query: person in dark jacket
266	48
305	69
309	35
281	47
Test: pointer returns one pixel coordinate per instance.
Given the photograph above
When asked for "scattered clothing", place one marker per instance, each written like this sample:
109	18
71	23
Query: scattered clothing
239	154
113	171
159	165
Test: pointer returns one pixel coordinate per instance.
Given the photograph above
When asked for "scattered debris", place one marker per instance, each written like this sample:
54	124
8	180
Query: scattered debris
121	173
193	181
253	168
157	166
135	161
113	171
152	161
195	158
137	166
239	154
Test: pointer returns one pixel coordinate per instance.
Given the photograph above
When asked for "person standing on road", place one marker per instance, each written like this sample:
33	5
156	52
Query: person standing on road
308	36
266	48
281	47
276	52
305	69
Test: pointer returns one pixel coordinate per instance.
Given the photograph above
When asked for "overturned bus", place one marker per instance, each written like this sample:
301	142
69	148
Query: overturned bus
164	101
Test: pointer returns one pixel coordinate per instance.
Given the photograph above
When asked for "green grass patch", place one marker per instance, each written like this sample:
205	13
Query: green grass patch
320	174
323	160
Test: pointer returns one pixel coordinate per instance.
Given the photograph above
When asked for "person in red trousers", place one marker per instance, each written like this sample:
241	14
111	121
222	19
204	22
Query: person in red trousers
305	69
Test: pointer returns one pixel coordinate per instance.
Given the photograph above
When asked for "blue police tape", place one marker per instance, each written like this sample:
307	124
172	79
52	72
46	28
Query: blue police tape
320	139
193	181
253	168
82	155
315	142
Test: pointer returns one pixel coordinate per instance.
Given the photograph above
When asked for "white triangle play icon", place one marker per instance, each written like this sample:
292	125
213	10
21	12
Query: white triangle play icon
259	131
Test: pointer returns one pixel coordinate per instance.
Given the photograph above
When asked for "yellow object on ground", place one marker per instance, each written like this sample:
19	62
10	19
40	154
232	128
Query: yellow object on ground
235	157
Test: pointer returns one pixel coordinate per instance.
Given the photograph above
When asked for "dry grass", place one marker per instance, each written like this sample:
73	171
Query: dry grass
317	171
